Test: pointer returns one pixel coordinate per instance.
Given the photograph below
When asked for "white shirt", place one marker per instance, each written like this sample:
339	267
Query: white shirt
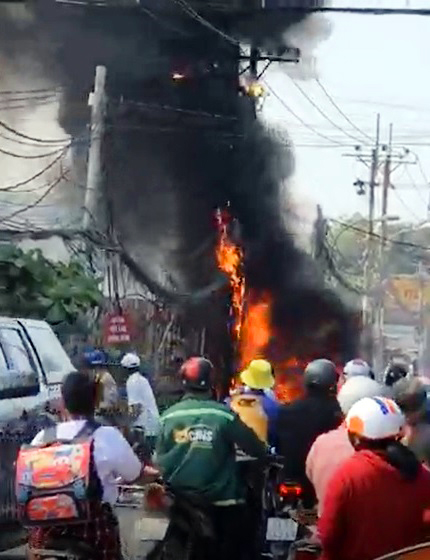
139	392
113	456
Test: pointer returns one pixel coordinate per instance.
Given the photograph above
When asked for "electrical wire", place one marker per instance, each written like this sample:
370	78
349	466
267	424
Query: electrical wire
195	15
421	169
415	186
36	175
23	156
403	203
163	23
331	265
33	138
48	190
179	110
304	123
377	236
344	115
31	91
323	114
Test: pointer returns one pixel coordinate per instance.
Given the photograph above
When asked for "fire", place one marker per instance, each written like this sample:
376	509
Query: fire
256	331
230	259
255	336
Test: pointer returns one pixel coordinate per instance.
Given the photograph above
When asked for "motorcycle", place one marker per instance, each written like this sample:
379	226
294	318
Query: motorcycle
64	549
129	512
190	532
281	501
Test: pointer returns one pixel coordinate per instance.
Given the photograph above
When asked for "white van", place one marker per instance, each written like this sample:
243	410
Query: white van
33	364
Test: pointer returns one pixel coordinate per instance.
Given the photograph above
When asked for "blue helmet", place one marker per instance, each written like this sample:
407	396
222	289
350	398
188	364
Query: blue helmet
95	358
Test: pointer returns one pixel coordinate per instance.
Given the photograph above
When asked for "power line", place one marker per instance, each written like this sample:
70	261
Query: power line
163	23
195	15
49	189
33	138
36	175
195	112
335	272
30	91
421	169
403	203
304	123
23	156
322	113
344	115
369	10
377	236
414	185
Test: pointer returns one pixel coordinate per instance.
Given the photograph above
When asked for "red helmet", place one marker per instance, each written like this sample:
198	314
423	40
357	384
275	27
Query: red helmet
196	373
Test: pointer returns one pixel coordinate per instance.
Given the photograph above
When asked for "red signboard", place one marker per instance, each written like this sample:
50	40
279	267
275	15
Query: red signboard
117	328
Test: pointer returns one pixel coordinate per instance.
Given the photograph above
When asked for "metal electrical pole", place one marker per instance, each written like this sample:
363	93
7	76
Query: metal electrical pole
97	101
369	262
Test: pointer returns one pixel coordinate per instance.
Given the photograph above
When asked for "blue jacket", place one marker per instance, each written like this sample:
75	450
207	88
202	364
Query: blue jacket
271	408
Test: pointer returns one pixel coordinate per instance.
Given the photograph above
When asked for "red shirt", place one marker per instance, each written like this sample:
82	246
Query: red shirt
370	510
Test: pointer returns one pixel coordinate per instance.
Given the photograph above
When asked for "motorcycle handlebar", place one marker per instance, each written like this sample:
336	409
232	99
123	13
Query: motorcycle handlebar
274	460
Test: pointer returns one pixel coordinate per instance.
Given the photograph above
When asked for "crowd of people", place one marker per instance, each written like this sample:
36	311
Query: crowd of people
359	449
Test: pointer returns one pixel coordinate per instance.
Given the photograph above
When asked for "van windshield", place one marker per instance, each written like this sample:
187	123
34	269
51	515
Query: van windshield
54	359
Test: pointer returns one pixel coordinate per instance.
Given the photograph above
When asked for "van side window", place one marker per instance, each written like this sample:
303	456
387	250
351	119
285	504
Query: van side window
54	359
15	350
3	364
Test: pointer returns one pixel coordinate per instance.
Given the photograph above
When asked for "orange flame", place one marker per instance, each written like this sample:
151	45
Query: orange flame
230	258
252	322
256	331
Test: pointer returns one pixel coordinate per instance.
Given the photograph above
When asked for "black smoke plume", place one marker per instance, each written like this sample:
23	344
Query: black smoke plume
177	150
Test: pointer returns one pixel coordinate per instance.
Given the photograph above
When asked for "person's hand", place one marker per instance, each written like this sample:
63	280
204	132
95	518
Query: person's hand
150	474
306	517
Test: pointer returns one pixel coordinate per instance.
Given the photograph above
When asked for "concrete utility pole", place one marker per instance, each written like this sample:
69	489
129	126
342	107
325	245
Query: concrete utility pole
369	262
97	101
379	358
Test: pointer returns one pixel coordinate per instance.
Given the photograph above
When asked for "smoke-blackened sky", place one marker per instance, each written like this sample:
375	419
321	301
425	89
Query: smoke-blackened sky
176	151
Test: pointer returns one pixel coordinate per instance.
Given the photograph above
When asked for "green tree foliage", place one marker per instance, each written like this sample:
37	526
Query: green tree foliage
407	245
33	286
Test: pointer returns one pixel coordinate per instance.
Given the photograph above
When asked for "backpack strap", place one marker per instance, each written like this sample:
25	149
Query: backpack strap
87	430
49	435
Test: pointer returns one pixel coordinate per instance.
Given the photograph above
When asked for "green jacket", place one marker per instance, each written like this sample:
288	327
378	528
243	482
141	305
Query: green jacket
196	449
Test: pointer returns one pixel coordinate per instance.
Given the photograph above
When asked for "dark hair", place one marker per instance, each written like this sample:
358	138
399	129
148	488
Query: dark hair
79	391
410	395
397	455
394	373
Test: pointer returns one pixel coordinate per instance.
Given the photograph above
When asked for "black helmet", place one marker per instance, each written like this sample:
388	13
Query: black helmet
394	373
196	373
320	374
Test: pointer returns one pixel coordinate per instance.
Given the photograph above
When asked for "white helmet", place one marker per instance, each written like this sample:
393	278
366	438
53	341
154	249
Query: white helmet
355	389
375	418
130	361
357	367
